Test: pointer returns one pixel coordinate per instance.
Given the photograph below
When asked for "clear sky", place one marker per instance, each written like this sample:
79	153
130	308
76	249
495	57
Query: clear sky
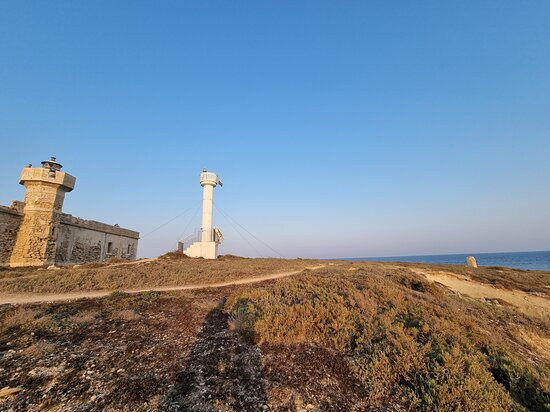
340	129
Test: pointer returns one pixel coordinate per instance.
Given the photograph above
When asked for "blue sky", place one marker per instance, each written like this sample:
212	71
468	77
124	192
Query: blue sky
340	129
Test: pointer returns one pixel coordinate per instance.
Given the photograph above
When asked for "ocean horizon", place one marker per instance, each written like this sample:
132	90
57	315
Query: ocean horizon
537	260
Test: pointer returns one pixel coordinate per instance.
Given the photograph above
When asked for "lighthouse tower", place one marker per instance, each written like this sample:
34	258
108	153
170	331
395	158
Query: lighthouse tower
207	247
45	191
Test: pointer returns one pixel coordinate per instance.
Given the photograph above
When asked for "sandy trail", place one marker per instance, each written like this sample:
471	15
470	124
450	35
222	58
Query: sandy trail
57	297
525	302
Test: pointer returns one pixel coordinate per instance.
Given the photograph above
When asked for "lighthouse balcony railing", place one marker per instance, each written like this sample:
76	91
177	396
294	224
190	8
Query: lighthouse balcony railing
189	240
208	176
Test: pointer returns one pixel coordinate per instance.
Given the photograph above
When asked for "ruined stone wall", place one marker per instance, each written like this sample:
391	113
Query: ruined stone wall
10	220
81	241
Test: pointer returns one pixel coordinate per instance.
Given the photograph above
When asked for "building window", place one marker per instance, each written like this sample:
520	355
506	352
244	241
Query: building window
129	249
110	247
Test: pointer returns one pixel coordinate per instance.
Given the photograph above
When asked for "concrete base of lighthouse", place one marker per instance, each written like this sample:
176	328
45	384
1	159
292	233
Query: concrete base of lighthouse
207	250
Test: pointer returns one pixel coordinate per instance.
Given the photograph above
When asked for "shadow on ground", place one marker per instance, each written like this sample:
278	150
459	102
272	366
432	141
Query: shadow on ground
223	372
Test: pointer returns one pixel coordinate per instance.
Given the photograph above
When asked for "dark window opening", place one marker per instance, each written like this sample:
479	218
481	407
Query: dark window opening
110	247
129	249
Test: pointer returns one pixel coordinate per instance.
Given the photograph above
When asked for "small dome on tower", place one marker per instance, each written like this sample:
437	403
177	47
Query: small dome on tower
51	164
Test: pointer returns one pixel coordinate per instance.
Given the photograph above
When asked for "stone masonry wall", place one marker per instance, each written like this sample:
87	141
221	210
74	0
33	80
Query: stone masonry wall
10	220
76	240
80	241
37	233
36	239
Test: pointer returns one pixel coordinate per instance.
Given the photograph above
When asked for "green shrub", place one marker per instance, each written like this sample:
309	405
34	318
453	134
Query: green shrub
520	380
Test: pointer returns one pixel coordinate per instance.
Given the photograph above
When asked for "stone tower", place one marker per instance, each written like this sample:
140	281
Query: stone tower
45	186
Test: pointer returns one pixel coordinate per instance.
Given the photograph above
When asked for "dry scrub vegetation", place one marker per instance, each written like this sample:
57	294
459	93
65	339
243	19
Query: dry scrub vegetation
352	336
168	271
405	342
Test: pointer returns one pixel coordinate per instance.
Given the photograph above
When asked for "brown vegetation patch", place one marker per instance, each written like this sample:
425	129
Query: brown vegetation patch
84	318
174	255
39	349
124	356
229	257
407	342
26	320
126	315
155	273
539	343
377	337
324	374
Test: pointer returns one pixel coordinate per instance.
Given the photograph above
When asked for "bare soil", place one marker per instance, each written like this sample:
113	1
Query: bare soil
170	352
527	303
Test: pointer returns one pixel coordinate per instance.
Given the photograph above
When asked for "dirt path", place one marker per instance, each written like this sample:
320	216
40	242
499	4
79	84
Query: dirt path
526	303
112	265
38	298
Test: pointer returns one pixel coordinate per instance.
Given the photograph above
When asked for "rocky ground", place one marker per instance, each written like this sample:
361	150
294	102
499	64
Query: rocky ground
153	351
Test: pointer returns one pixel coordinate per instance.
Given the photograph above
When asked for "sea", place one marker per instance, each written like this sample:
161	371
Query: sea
517	260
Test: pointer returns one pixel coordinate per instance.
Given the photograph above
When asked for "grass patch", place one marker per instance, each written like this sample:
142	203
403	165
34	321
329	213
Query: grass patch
161	272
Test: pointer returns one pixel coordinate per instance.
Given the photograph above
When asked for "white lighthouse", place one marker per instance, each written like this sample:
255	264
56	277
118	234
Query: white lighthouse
210	237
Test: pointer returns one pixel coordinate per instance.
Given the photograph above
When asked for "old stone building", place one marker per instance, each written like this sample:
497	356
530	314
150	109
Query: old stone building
36	232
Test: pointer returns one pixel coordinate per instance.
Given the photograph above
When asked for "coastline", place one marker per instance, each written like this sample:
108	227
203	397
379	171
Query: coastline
535	260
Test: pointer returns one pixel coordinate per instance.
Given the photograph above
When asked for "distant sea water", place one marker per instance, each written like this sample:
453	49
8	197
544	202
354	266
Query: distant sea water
518	260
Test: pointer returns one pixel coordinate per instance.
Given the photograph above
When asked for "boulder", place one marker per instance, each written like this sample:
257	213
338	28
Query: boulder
471	262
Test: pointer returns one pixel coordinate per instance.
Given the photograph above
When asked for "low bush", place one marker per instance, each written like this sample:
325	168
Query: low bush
406	341
519	379
174	255
26	320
